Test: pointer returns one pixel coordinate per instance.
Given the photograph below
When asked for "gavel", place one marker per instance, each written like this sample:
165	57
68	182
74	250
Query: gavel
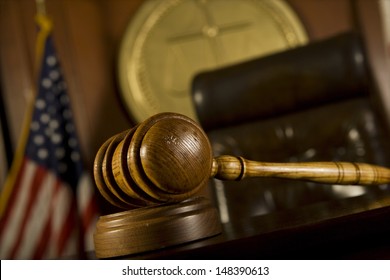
168	158
163	162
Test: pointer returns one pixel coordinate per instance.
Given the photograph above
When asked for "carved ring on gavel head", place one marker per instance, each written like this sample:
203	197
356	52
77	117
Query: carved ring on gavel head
168	158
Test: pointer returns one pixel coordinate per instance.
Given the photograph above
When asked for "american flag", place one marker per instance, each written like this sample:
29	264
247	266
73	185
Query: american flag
50	208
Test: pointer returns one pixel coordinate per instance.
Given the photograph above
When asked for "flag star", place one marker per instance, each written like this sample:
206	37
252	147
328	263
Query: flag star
60	153
39	139
48	131
47	83
54	124
67	114
50	96
55	90
51	60
52	110
45	118
72	142
43	153
34	126
40	104
63	167
64	99
75	156
69	127
61	86
56	138
54	75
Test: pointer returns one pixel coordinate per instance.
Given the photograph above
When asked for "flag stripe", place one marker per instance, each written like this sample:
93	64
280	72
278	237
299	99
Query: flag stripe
56	218
71	249
69	224
13	197
89	214
88	208
89	222
39	214
32	192
44	240
13	215
43	246
64	204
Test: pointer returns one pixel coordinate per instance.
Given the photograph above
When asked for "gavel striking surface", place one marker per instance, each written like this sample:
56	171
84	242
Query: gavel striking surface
156	227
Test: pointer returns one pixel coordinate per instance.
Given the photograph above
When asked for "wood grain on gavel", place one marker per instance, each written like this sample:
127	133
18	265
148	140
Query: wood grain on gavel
168	158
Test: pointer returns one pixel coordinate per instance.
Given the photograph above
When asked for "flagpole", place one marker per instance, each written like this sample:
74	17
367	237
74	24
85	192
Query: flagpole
45	29
41	7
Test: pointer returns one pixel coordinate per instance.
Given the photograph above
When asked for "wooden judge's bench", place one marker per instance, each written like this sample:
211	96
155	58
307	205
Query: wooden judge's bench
327	99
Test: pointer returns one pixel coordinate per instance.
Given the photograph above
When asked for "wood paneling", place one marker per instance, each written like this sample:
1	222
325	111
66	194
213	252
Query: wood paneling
16	58
323	18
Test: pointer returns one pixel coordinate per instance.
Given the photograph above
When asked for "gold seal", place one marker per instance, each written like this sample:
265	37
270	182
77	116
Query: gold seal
168	41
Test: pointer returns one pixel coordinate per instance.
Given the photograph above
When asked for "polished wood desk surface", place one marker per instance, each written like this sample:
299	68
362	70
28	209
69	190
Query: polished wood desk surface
352	228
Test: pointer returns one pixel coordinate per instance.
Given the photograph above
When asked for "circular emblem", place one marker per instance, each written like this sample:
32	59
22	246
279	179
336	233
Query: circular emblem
169	41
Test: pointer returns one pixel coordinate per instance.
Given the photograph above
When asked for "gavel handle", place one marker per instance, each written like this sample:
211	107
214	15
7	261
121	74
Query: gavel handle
343	173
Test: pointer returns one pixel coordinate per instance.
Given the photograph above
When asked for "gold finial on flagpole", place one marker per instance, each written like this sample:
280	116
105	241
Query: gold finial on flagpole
41	7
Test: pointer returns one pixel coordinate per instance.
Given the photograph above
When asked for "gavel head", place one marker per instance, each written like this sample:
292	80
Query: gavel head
166	158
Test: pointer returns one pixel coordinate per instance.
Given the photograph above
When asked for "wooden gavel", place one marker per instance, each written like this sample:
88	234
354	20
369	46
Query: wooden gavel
168	158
